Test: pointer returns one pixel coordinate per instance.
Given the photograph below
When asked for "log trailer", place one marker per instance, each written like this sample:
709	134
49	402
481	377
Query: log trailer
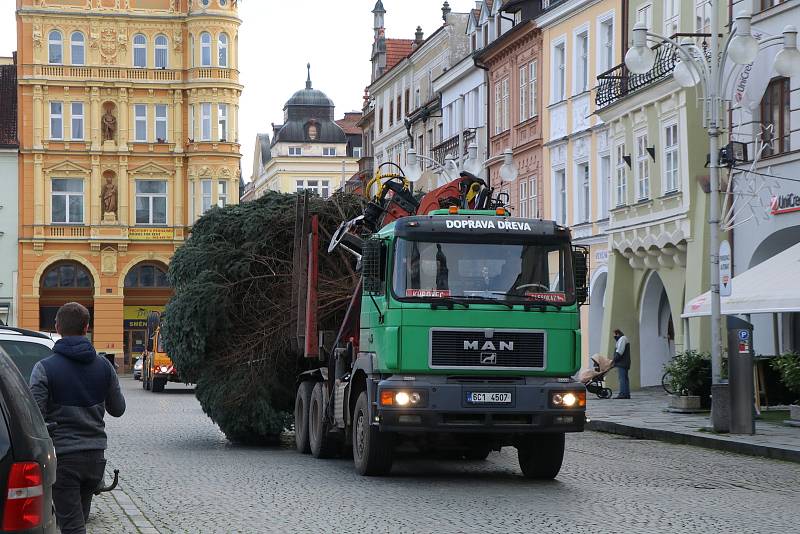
461	337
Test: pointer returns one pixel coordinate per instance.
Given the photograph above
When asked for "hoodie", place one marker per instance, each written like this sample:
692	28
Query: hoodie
74	388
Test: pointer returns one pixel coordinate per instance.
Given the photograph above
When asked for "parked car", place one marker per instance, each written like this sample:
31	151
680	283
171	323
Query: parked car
27	456
25	348
137	368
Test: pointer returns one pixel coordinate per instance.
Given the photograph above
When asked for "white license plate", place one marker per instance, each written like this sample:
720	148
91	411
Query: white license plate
475	397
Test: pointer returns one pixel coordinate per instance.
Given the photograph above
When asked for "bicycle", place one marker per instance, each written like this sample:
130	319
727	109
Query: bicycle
666	383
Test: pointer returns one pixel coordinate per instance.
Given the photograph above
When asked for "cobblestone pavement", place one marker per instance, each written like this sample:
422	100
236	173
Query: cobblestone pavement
182	476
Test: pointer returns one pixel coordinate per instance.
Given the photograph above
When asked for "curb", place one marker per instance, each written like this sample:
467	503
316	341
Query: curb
707	442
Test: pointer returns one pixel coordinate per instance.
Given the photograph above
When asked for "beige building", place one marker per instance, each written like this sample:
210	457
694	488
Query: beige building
309	151
128	132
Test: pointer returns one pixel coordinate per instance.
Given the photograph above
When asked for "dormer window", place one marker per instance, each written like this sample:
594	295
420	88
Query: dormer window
295	151
485	31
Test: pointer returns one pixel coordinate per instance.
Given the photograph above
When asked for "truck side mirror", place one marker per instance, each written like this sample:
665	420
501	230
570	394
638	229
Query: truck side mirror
580	265
372	266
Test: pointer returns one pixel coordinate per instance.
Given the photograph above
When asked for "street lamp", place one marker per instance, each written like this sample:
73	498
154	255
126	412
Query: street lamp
742	48
508	171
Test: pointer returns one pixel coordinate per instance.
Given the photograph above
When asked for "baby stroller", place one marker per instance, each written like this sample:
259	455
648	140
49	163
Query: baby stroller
593	378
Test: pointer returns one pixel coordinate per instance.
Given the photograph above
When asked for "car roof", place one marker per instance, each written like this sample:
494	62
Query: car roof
11	330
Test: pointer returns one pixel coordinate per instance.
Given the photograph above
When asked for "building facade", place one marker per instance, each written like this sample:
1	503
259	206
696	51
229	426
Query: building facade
769	222
128	133
658	232
9	212
309	151
582	40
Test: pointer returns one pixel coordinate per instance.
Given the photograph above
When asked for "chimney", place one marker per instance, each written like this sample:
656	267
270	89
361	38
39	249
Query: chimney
418	36
446	11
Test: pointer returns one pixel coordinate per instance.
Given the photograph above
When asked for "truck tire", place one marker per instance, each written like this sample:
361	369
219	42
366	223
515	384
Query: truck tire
320	440
373	451
540	455
478	452
158	384
301	402
148	384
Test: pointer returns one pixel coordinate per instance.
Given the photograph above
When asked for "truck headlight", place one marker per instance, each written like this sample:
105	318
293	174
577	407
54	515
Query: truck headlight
164	368
568	399
403	398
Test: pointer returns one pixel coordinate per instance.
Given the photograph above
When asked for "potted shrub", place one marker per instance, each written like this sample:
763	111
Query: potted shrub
690	379
788	366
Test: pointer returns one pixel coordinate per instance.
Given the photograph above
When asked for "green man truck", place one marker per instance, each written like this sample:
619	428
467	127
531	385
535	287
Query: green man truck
461	338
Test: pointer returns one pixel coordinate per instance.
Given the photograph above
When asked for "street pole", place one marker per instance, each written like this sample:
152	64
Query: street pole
713	216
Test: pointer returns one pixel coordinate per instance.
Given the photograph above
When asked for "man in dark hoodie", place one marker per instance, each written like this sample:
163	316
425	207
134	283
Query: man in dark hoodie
74	388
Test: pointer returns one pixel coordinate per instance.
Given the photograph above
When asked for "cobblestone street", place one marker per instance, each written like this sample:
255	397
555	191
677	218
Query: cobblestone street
178	474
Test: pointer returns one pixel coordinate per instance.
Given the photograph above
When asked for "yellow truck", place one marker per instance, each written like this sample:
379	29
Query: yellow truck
157	367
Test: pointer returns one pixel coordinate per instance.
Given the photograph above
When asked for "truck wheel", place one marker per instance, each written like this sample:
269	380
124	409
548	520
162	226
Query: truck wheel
301	403
158	384
540	455
148	384
478	452
373	450
321	442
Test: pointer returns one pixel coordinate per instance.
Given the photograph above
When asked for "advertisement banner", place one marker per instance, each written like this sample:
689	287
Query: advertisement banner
135	317
151	234
748	83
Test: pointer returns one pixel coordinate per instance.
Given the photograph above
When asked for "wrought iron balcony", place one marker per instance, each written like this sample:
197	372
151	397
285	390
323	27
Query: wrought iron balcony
618	83
450	146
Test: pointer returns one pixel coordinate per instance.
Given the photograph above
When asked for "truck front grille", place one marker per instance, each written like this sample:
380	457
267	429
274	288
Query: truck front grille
488	349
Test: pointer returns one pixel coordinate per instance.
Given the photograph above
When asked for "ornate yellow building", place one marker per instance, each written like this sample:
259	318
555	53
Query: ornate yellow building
128	133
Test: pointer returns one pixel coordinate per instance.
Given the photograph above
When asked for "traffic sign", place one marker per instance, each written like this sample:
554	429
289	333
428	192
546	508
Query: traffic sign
725	269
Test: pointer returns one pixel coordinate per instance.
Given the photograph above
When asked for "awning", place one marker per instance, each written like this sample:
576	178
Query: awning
769	287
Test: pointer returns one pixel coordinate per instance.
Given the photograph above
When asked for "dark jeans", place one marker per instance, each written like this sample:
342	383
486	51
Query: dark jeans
624	383
77	476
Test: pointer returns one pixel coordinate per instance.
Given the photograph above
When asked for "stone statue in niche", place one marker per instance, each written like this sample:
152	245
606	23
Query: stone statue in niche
109	196
109	125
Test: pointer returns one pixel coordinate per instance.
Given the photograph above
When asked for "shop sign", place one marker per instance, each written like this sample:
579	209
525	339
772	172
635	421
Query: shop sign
785	204
151	234
135	317
601	256
725	269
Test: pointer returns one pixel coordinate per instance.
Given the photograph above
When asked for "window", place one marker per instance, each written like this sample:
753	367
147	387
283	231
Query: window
533	198
523	94
407	100
139	51
498	109
605	186
67	274
222	122
766	4
55	48
606	44
560	187
77	121
151	202
161	59
622	179
582	62
205	49
299	186
506	110
584	193
147	275
775	117
357	152
191	122
399	109
67	201
559	73
391	111
205	121
672	16
671	158
523	198
191	49
318	187
222	193
642	168
702	16
140	122
205	186
645	14
534	97
77	49
56	120
329	151
222	50
380	120
295	151
161	123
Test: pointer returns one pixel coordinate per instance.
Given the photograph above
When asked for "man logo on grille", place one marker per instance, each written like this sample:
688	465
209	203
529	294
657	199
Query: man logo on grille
489	345
488	358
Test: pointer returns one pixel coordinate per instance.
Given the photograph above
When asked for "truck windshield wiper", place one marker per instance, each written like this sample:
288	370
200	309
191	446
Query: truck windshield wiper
484	300
446	302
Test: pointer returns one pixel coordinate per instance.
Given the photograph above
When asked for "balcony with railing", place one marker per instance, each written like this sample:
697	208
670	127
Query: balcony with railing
450	146
618	82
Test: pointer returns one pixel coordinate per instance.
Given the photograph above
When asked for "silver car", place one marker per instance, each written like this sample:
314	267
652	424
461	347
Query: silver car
137	368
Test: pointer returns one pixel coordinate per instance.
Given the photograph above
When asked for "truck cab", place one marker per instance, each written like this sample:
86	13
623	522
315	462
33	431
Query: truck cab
157	366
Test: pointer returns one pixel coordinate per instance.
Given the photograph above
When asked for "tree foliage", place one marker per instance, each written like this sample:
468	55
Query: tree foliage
228	327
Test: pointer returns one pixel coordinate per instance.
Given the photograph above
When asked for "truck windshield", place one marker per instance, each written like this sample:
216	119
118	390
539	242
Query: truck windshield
524	272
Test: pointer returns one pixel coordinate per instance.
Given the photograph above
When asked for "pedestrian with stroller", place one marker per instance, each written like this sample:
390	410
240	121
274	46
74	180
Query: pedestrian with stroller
74	388
622	361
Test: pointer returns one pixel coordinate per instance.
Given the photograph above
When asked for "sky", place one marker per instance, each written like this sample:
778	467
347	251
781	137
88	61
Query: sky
278	38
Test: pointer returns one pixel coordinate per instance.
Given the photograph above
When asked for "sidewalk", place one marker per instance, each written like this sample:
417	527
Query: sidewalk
644	416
